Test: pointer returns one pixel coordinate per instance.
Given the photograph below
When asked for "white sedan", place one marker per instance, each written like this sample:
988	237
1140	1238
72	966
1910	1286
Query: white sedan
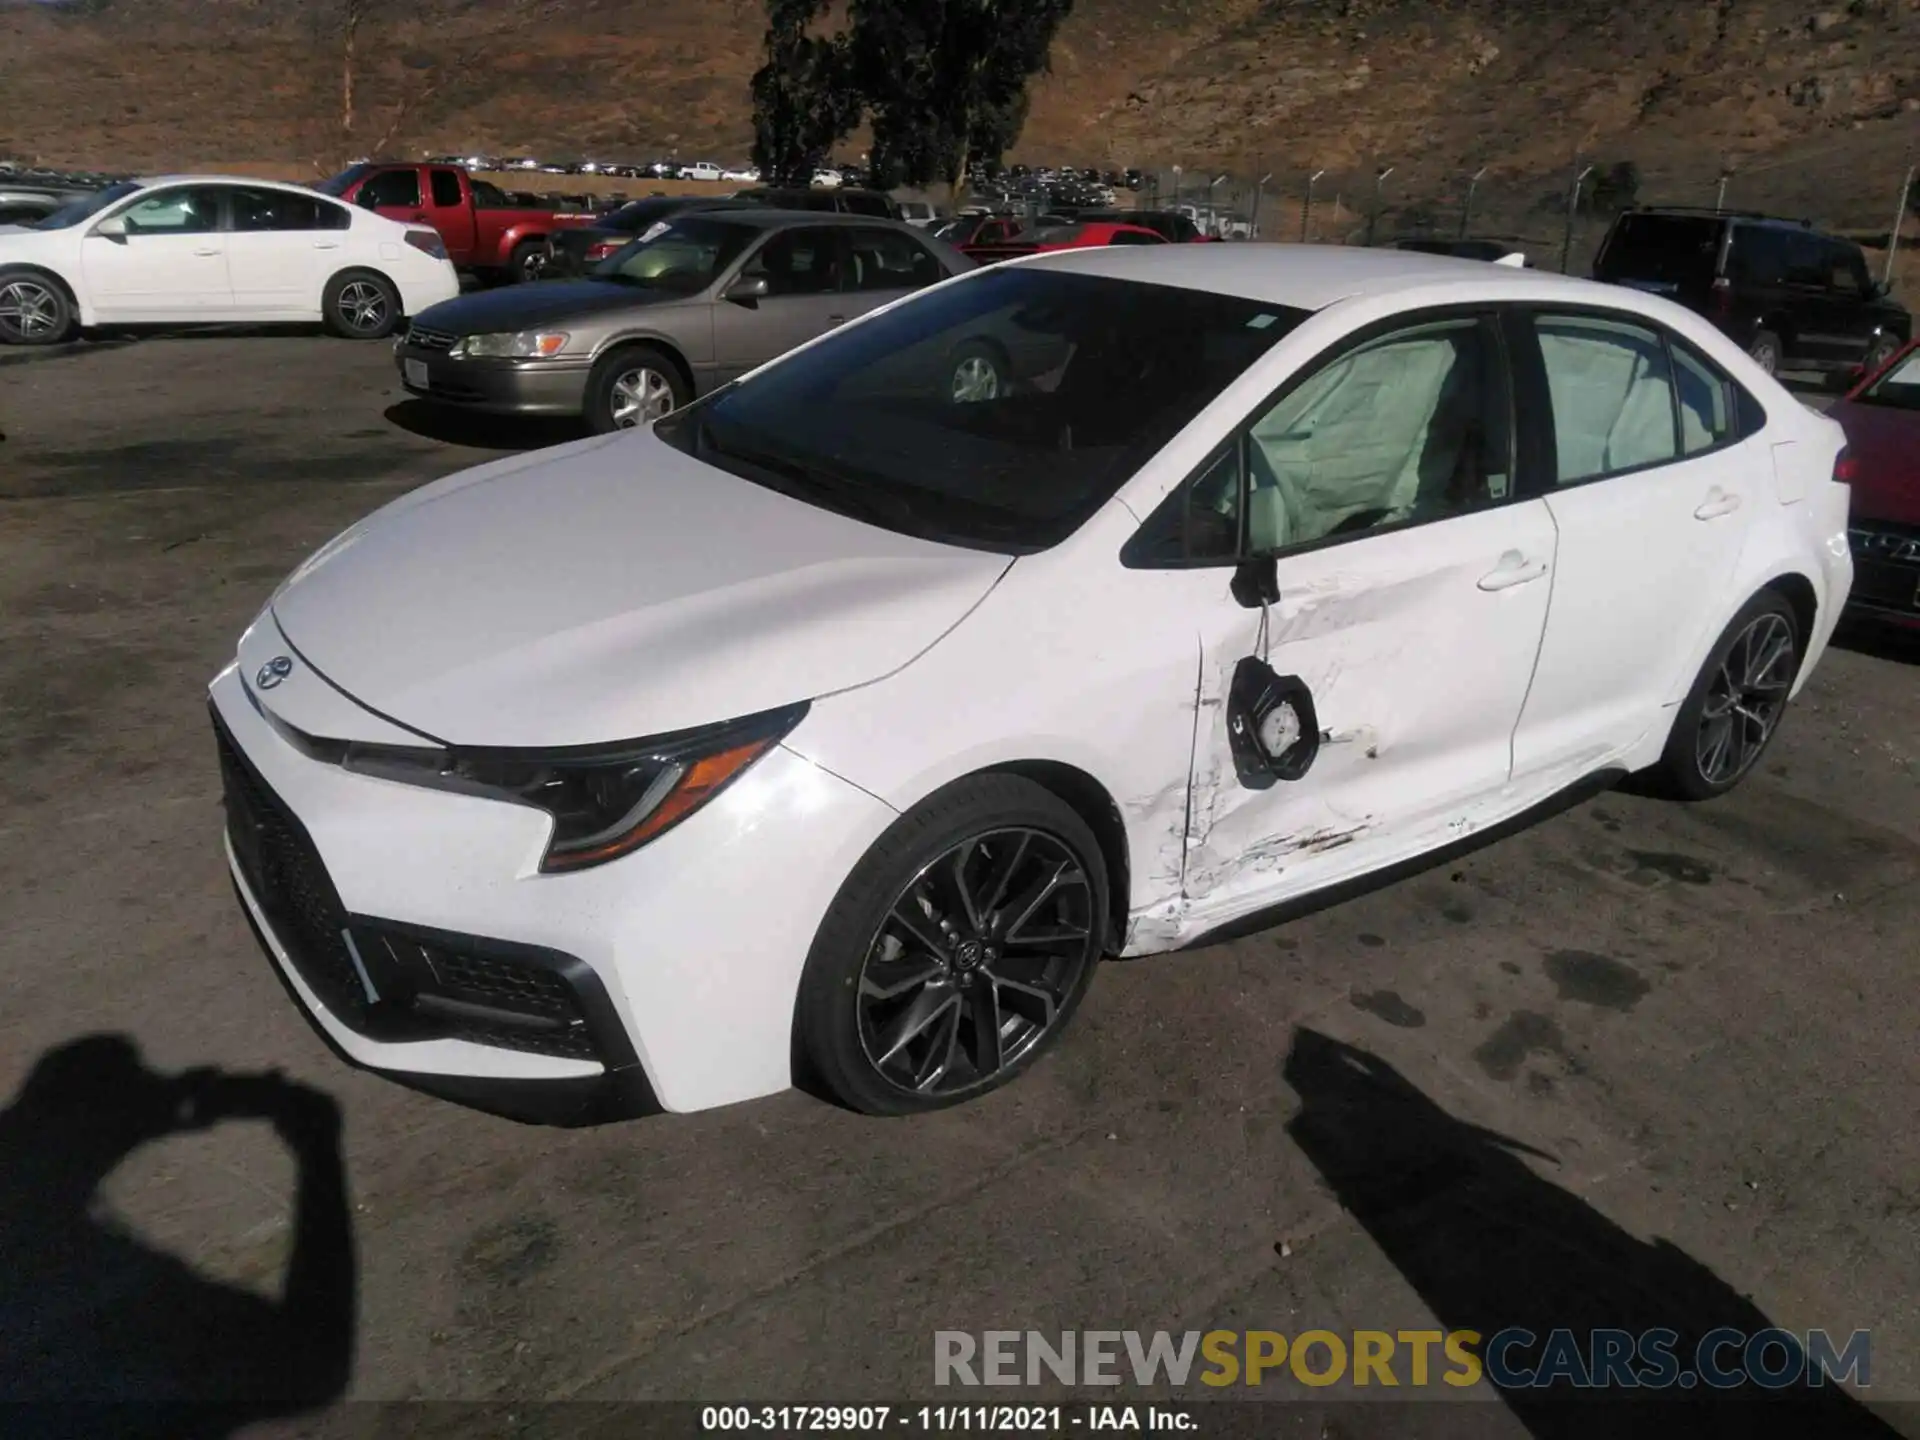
1098	604
193	249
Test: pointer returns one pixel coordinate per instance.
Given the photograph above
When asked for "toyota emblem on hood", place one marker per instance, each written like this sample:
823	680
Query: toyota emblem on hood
273	672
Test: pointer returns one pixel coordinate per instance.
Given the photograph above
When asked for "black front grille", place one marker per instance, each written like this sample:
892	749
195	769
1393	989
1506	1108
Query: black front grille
396	982
422	338
1886	565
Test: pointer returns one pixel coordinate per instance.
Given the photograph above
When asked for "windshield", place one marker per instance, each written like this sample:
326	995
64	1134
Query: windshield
87	206
1898	388
338	185
683	256
999	413
1669	249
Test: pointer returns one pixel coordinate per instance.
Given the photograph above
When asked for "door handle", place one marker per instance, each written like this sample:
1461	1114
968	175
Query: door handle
326	244
206	250
836	319
1513	569
1717	503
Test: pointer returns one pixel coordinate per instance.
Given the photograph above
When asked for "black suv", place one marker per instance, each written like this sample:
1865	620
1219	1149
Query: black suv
1796	299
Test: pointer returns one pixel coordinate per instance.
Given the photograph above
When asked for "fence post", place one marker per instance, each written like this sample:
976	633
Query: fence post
1466	207
1306	205
1373	210
1573	204
1899	217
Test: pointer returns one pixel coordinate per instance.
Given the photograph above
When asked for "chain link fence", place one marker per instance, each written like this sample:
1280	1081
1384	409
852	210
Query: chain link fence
1558	221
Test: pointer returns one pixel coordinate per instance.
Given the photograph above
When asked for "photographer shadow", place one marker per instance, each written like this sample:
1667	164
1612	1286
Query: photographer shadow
101	1333
1490	1245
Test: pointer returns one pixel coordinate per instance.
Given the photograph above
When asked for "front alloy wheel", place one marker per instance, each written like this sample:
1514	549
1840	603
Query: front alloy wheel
1744	699
975	961
32	311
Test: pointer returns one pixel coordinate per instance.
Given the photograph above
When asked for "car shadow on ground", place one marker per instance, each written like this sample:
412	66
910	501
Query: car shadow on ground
1490	1245
450	426
1880	640
101	1333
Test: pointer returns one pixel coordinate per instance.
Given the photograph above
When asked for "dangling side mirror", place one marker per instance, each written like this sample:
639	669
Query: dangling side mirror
1256	582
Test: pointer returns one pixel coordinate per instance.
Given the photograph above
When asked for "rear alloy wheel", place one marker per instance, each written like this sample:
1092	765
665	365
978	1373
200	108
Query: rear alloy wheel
361	305
1882	351
957	950
633	387
1765	351
1734	709
33	310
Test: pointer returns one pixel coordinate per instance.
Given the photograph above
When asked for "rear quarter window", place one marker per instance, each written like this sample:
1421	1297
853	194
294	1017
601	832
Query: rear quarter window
1666	249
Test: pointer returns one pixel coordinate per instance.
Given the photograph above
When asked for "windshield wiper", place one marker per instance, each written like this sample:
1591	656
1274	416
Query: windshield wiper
837	492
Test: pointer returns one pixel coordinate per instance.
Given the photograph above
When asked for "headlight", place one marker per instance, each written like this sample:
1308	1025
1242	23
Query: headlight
606	800
527	345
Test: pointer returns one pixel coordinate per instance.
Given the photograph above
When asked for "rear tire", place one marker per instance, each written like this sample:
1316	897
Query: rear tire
1766	352
956	951
631	387
1882	351
360	305
1733	711
35	309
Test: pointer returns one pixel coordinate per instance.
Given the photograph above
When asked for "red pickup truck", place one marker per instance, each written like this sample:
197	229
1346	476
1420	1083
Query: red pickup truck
483	230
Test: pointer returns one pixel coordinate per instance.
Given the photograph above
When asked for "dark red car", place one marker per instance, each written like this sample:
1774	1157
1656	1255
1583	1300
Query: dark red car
1064	237
1881	416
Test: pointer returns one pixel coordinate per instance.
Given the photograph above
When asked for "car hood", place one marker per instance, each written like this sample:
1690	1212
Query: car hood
1884	444
521	307
613	589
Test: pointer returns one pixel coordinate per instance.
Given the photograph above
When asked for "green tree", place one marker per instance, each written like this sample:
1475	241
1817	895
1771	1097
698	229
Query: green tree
945	82
805	98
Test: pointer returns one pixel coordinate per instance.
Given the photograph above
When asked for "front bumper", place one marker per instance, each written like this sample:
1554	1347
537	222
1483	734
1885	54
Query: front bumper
496	387
1886	573
675	994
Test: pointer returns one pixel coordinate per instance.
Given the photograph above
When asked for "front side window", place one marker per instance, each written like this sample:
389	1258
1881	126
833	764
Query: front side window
186	211
801	261
1611	388
446	188
1414	426
998	413
395	188
888	260
1135	237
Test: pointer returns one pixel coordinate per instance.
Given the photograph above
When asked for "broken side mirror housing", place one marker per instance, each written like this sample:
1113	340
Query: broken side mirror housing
1256	582
1272	728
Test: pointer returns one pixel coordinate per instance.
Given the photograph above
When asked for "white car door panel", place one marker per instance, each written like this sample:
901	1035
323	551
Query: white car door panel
281	248
1645	557
168	264
1408	597
1418	668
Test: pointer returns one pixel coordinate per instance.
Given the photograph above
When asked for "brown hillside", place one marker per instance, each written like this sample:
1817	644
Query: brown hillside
1815	109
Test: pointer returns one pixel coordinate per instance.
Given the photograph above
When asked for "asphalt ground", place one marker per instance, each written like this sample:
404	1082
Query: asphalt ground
1645	1064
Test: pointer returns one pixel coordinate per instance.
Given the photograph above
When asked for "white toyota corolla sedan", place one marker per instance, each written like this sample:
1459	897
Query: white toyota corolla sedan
835	728
209	249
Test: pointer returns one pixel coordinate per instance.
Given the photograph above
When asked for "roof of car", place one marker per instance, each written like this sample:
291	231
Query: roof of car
1306	277
152	181
766	217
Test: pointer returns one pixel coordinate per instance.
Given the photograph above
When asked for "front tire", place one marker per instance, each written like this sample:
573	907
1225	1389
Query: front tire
528	262
1733	711
360	305
34	309
1766	352
632	387
957	950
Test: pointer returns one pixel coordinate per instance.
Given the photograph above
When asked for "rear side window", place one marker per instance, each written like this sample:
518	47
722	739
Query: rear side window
1612	392
488	196
283	210
1665	249
1707	403
392	187
868	205
888	260
1134	237
446	188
